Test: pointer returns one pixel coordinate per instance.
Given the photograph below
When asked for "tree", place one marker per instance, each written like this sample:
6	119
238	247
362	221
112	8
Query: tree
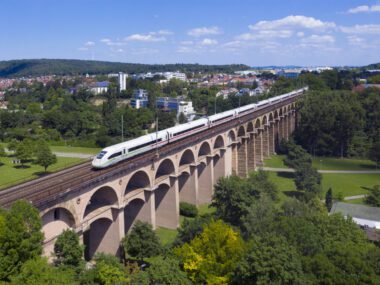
269	260
231	199
142	241
328	199
24	152
38	271
260	181
45	157
20	238
211	257
374	153
373	197
190	228
162	271
182	118
68	251
2	151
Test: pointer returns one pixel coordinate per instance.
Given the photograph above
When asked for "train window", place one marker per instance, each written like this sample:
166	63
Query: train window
143	145
188	130
101	154
115	155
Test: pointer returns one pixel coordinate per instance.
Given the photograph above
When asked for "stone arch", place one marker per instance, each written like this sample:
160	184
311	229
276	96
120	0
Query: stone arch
270	117
101	236
242	153
257	123
204	182
187	157
139	180
166	206
219	167
165	168
204	149
275	114
231	137
241	131
219	142
264	120
54	222
249	127
280	112
136	210
102	197
231	155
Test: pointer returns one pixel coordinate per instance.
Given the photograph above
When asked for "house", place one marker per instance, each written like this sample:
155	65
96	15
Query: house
99	87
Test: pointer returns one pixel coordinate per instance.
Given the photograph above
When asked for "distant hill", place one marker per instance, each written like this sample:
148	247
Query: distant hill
35	67
373	66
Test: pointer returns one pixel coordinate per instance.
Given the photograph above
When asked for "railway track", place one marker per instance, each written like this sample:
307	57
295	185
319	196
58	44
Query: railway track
43	191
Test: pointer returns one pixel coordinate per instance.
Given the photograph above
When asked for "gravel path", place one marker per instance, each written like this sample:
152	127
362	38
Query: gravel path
324	171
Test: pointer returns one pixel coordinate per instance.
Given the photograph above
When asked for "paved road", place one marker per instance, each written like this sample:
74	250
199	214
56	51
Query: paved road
325	171
66	154
73	154
355	197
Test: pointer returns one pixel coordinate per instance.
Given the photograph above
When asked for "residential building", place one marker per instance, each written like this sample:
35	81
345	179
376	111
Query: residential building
99	87
122	81
139	98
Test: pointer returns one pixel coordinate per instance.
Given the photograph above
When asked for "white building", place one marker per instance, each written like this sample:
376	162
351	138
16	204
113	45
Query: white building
185	107
122	81
99	87
176	75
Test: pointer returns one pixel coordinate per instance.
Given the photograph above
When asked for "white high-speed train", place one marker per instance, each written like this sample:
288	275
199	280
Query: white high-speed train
118	152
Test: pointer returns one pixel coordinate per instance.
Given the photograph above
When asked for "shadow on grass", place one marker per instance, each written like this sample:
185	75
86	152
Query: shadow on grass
366	188
1	164
21	166
41	173
368	166
289	175
294	194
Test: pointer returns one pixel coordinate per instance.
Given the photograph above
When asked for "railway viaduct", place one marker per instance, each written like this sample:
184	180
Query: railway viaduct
102	206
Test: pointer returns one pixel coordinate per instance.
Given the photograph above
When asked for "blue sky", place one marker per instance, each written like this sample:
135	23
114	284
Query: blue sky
269	32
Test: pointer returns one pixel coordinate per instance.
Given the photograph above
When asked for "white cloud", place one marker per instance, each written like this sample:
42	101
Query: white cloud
364	9
318	39
293	21
265	34
214	30
164	32
187	43
300	34
145	38
89	44
83	48
208	42
361	29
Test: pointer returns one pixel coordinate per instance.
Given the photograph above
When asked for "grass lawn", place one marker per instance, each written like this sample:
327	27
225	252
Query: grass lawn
167	236
347	184
74	149
326	163
9	175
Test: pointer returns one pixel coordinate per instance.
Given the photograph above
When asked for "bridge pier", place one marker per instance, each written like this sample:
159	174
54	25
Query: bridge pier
258	148
251	152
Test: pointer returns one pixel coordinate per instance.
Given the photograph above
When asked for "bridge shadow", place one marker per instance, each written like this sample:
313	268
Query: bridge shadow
41	173
368	166
289	175
21	166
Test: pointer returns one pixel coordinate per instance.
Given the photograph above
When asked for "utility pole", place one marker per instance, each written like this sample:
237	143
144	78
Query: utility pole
122	128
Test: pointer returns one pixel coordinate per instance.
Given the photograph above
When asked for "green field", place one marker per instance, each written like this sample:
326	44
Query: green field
326	163
11	175
72	149
347	184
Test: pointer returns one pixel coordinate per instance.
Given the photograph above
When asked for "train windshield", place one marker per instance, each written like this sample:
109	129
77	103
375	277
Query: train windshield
101	154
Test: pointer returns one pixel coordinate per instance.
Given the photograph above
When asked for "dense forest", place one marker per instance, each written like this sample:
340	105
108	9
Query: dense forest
37	67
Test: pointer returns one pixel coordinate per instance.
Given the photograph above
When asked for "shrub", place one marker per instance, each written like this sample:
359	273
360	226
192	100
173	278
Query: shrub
188	210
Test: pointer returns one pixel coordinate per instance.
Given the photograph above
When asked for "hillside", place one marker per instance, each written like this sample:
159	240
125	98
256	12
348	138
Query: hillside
35	67
373	66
